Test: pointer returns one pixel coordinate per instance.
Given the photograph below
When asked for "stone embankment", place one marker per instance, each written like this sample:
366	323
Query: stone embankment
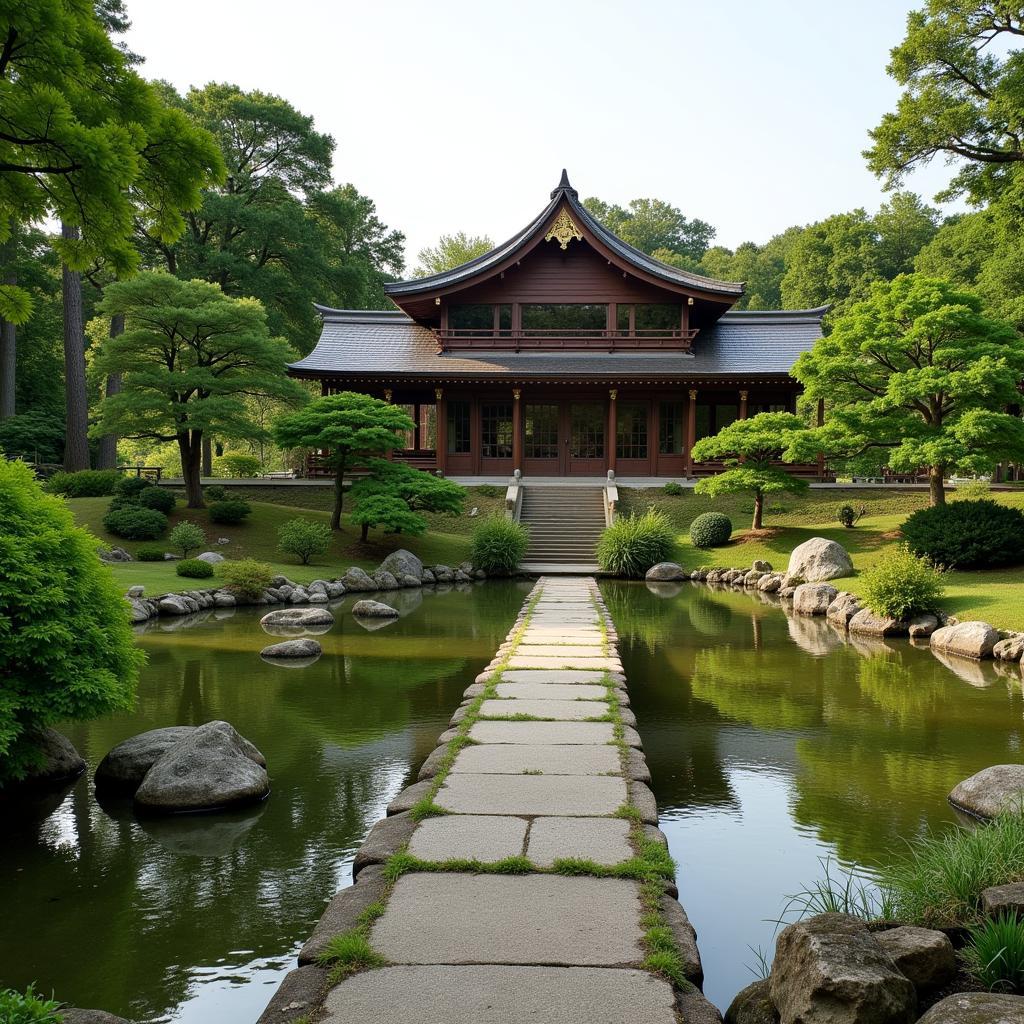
523	877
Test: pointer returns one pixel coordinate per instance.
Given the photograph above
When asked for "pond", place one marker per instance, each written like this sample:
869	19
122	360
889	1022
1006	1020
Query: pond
775	742
196	919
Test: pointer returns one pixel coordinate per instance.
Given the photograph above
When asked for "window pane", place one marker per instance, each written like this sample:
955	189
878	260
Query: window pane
409	435
622	317
631	431
540	424
565	316
428	427
724	415
587	441
759	407
496	430
657	316
458	428
703	421
505	317
670	428
471	317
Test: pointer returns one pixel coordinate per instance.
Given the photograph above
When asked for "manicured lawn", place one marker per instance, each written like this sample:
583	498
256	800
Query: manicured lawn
447	541
995	595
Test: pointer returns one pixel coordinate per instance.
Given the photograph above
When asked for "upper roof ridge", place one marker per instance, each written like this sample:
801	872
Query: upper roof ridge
564	186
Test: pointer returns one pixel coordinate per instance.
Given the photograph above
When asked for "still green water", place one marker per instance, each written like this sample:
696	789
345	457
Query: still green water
775	742
196	919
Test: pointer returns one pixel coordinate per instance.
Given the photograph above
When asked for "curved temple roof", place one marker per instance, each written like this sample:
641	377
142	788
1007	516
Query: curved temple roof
489	262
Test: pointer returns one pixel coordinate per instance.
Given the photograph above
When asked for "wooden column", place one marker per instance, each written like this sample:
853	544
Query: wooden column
613	425
442	429
517	430
744	395
691	430
821	455
387	398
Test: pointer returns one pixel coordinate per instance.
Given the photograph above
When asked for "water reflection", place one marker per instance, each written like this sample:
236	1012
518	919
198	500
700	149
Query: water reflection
196	919
775	741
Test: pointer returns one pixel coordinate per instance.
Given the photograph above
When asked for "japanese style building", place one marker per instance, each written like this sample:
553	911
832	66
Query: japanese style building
564	352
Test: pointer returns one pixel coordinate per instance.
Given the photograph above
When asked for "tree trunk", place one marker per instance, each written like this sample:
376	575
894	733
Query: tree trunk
76	402
365	533
758	509
106	455
190	444
339	494
936	488
8	338
207	456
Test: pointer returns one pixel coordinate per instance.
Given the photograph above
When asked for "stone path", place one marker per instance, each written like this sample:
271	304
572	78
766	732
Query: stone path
487	895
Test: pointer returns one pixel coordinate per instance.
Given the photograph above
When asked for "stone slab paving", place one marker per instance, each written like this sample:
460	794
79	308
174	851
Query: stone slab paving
502	948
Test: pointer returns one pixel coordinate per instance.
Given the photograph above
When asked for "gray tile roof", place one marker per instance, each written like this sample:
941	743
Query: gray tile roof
359	343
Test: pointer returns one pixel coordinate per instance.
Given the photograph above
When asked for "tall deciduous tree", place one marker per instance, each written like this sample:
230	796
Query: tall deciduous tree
451	251
76	398
656	227
962	73
189	358
750	448
917	371
346	427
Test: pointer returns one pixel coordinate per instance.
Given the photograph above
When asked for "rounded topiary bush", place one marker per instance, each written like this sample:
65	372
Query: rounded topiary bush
157	497
632	544
967	534
194	569
499	545
710	530
229	511
133	522
150	555
132	487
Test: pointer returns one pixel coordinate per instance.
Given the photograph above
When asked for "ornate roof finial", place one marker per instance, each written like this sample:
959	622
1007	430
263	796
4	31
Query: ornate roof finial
564	186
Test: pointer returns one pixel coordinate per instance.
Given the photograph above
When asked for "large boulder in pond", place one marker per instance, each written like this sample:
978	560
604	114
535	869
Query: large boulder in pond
867	623
966	639
304	647
813	598
298	617
76	1015
402	563
666	572
374	610
61	762
976	1008
830	969
124	768
356	580
212	768
990	792
819	559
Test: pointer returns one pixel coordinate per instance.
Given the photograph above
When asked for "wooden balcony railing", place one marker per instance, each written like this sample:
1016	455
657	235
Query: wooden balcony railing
674	339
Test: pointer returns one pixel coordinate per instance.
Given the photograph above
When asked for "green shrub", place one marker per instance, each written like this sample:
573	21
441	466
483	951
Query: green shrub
194	569
215	492
994	953
632	544
159	498
150	555
27	1008
498	545
847	516
132	487
133	522
229	511
303	538
66	646
489	490
187	537
673	489
245	576
237	465
972	490
901	584
710	530
87	483
967	534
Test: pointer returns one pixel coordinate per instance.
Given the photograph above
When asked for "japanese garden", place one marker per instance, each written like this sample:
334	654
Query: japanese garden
608	624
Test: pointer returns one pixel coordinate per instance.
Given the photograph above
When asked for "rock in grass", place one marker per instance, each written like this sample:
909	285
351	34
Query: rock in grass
967	639
124	768
924	955
402	563
830	969
666	572
213	557
991	791
1003	899
304	647
761	566
374	610
753	1005
298	617
813	598
976	1008
213	767
819	559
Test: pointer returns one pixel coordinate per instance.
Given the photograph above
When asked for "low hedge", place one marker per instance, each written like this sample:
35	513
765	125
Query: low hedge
150	555
87	483
194	568
229	511
133	522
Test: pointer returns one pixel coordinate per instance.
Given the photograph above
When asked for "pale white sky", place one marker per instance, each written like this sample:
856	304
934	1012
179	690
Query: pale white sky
459	115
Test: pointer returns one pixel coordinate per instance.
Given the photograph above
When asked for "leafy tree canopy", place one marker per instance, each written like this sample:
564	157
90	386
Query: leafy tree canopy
451	251
962	99
750	448
655	227
918	371
189	358
375	497
84	139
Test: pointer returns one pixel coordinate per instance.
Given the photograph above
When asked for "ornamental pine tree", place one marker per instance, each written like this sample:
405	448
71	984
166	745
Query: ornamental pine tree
750	448
393	496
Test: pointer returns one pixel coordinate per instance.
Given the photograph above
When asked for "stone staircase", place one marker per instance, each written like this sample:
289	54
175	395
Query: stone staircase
565	524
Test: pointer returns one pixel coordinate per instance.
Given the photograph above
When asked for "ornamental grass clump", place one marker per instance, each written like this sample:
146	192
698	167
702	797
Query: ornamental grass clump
994	954
902	584
632	544
499	545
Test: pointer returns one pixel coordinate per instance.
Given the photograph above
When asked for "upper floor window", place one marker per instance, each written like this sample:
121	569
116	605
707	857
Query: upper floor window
564	316
658	316
477	316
